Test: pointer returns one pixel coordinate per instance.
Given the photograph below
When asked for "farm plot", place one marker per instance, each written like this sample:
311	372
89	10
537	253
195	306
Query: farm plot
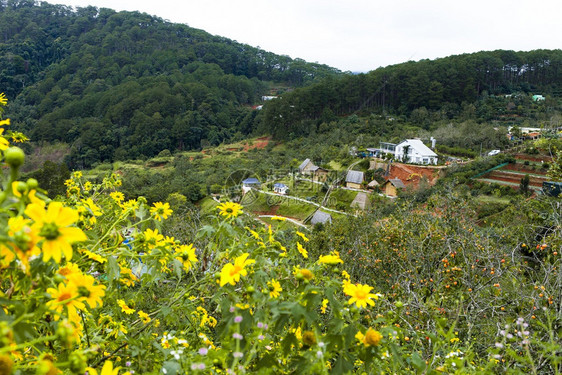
511	175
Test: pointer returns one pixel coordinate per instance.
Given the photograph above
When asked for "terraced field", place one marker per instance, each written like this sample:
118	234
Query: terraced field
511	174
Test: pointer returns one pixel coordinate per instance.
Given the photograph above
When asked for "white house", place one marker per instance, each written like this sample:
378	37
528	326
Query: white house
280	188
414	151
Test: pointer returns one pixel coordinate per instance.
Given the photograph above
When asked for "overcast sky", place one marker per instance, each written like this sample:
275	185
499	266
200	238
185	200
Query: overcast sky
362	35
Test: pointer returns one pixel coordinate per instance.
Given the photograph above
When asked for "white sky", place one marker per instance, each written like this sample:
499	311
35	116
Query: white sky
362	35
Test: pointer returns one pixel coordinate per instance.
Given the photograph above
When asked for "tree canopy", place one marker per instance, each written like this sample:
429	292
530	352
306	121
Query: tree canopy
119	85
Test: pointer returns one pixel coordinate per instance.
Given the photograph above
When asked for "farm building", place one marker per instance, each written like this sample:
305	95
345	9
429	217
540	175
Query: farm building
280	188
392	186
354	179
251	182
320	217
307	166
319	174
373	184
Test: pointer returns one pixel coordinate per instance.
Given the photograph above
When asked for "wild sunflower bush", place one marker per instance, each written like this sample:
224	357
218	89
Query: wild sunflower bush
91	283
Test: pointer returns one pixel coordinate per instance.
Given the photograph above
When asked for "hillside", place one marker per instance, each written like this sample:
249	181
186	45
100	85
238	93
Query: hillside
458	277
447	86
122	85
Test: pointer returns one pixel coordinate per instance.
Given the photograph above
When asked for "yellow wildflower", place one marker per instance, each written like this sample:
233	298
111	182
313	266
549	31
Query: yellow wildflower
144	317
230	273
301	235
153	238
274	288
54	227
124	308
126	276
6	364
23	245
65	296
117	196
303	273
92	207
131	204
333	258
89	292
370	338
69	269
253	233
107	369
161	210
324	306
360	294
4	144
229	209
186	255
302	250
93	256
347	286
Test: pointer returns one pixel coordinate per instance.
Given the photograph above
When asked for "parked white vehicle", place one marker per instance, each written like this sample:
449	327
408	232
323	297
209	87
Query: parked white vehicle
493	152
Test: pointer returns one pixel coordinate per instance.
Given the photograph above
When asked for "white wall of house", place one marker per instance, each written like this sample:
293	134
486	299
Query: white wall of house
418	153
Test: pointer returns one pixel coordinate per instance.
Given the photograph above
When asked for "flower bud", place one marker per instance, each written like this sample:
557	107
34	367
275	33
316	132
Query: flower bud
32	183
14	157
308	338
6	334
77	361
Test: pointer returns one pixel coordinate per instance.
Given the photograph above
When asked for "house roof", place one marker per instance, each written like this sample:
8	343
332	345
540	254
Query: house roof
317	168
355	177
251	180
418	146
320	217
280	185
304	164
396	182
373	183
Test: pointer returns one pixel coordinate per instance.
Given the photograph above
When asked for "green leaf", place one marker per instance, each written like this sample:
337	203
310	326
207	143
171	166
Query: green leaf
172	368
289	341
417	362
343	365
206	231
112	269
178	267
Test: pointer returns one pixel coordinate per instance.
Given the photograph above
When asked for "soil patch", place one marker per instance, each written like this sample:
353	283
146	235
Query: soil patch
537	158
513	178
518	167
412	175
260	143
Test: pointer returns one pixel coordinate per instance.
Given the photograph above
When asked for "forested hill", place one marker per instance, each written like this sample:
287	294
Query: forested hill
126	84
441	84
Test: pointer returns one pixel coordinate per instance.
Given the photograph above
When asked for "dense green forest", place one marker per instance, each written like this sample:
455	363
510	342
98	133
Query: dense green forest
125	85
447	85
120	85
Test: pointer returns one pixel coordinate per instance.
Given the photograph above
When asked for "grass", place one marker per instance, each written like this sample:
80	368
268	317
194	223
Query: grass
334	165
295	209
343	196
260	204
279	225
278	205
208	206
492	199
